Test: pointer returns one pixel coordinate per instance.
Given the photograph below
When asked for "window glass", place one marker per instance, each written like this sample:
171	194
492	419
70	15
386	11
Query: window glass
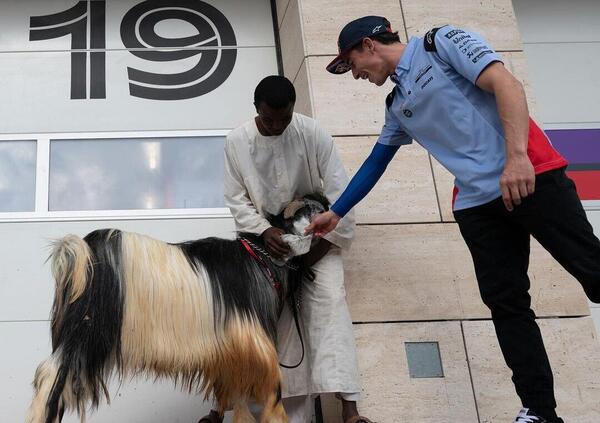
17	176
148	173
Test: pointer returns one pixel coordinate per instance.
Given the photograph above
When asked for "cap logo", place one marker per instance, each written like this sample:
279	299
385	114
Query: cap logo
376	29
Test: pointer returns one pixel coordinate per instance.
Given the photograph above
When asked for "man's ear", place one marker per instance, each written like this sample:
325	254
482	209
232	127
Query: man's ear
368	44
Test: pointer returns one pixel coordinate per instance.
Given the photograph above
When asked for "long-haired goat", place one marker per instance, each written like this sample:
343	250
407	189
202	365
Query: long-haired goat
202	313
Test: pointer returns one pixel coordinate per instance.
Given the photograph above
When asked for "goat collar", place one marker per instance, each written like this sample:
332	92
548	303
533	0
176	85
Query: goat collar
267	269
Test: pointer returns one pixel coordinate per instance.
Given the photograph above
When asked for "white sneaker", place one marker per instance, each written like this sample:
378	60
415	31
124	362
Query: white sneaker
528	416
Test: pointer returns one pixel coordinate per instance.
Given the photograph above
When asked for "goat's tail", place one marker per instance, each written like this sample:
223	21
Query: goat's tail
71	263
86	326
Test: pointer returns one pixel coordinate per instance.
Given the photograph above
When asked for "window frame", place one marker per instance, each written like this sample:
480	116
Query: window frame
42	180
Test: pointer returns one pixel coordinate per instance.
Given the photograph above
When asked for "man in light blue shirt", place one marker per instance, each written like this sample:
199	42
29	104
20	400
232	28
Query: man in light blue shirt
453	96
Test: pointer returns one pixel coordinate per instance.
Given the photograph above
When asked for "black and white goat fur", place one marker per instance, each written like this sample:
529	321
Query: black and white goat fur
202	313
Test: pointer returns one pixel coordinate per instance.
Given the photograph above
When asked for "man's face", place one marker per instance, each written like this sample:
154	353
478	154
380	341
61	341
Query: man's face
272	121
367	63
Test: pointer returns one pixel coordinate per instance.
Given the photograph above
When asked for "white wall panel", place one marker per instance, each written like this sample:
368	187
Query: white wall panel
594	218
558	20
67	66
565	80
36	91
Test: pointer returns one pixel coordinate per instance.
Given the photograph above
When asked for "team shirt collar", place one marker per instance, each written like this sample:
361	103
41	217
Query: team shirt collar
405	59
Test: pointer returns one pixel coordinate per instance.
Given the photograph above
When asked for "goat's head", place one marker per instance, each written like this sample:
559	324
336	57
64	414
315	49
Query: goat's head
295	217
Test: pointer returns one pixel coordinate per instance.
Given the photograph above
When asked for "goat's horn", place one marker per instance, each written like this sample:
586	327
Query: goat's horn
292	208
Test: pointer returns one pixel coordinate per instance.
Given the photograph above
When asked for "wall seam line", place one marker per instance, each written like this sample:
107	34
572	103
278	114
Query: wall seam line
462	330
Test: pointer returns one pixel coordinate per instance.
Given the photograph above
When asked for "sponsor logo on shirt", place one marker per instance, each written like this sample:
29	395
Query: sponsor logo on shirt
476	50
460	38
423	72
465	45
427	82
454	32
480	55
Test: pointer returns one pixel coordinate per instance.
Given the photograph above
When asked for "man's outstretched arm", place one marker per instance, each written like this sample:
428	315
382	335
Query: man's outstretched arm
360	185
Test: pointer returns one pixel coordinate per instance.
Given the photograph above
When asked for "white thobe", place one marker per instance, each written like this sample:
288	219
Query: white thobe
263	175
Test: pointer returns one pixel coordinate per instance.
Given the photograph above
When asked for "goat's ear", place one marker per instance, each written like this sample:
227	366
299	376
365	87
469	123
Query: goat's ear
320	198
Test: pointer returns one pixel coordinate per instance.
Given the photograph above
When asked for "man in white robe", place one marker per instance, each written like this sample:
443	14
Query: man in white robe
269	161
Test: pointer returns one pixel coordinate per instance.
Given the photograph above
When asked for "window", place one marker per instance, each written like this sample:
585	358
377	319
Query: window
112	175
17	175
144	173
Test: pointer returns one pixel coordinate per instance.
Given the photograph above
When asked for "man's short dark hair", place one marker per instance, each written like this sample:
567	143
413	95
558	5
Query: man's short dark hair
276	91
383	38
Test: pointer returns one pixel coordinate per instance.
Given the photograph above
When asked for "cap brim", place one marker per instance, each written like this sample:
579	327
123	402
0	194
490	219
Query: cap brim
339	65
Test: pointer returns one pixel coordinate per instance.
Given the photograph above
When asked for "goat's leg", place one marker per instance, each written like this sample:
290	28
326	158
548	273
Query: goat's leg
45	378
241	413
267	390
53	393
273	411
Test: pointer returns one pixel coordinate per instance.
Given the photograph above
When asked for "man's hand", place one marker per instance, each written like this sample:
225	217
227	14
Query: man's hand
274	243
517	180
322	224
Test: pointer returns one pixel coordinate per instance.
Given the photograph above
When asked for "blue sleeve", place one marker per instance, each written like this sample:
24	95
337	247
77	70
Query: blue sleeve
366	178
467	52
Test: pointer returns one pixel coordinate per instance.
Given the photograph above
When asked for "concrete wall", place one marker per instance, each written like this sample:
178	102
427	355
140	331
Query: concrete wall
409	274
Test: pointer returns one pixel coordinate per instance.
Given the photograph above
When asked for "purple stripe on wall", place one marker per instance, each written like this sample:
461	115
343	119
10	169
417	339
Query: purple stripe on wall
579	146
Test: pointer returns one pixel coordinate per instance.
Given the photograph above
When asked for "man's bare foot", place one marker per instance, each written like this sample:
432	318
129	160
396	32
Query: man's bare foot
350	413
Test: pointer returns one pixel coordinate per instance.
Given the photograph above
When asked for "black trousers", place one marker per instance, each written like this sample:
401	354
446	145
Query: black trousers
499	244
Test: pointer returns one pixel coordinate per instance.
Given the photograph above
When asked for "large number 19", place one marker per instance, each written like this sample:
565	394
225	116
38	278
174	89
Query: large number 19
74	21
214	45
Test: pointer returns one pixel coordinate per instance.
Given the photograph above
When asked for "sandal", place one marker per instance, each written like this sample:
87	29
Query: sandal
358	419
214	417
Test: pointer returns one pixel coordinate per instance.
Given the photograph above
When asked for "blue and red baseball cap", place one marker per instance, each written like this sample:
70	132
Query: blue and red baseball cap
352	34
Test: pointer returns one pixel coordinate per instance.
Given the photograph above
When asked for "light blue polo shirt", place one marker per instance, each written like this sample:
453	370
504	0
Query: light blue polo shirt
436	102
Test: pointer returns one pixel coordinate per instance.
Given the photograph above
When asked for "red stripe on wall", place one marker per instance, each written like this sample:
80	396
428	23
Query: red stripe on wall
588	183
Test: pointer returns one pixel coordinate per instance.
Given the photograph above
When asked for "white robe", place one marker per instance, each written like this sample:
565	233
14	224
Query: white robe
262	175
